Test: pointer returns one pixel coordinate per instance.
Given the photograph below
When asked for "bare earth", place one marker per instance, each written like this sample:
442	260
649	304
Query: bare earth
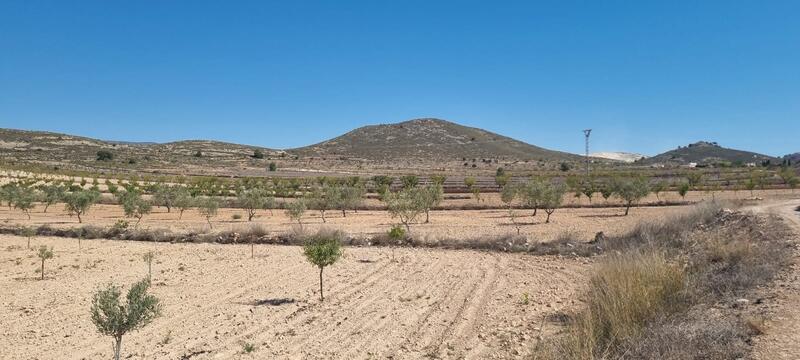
782	339
440	303
428	303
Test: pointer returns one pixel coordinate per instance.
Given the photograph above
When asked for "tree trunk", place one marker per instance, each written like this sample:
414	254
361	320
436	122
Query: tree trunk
250	215
45	207
344	213
117	347
208	219
321	297
427	216
149	271
323	216
29	242
252	251
29	214
627	208
79	218
181	215
42	269
548	217
535	209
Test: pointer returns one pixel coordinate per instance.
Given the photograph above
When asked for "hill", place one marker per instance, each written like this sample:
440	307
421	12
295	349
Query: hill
703	152
415	146
431	139
792	159
77	152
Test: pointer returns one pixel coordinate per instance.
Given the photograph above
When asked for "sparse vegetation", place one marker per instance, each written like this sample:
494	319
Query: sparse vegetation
323	249
44	253
105	155
148	259
208	207
404	205
114	318
78	202
24	199
133	204
631	190
253	200
295	210
28	232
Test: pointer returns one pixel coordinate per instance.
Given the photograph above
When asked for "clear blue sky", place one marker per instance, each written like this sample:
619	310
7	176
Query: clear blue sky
647	76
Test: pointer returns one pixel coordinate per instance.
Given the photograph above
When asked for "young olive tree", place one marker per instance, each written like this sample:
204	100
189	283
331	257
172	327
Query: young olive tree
78	202
409	181
325	198
208	207
404	205
27	232
165	195
532	194
295	210
631	190
44	254
788	176
659	187
350	198
606	191
148	259
429	197
322	249
382	184
183	200
8	192
683	189
252	200
508	194
588	188
695	179
52	194
438	179
114	318
134	205
470	183
552	197
24	200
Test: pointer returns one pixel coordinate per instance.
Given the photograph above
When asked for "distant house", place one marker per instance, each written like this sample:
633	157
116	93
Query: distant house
692	164
750	164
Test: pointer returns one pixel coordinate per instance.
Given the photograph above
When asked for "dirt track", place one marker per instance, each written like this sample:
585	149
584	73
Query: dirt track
782	340
428	302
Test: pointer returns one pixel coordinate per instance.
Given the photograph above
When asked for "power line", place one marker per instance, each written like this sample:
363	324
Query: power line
587	132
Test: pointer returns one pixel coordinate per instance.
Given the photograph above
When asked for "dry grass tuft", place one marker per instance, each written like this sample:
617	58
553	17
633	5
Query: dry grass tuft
627	292
658	297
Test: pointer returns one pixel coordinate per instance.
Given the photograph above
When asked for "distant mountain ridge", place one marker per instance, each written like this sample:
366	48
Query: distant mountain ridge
705	152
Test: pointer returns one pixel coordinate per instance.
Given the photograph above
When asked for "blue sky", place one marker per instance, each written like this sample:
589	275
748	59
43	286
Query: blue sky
647	76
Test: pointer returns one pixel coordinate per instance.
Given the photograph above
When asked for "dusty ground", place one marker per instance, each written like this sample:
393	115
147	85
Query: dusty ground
437	303
781	339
